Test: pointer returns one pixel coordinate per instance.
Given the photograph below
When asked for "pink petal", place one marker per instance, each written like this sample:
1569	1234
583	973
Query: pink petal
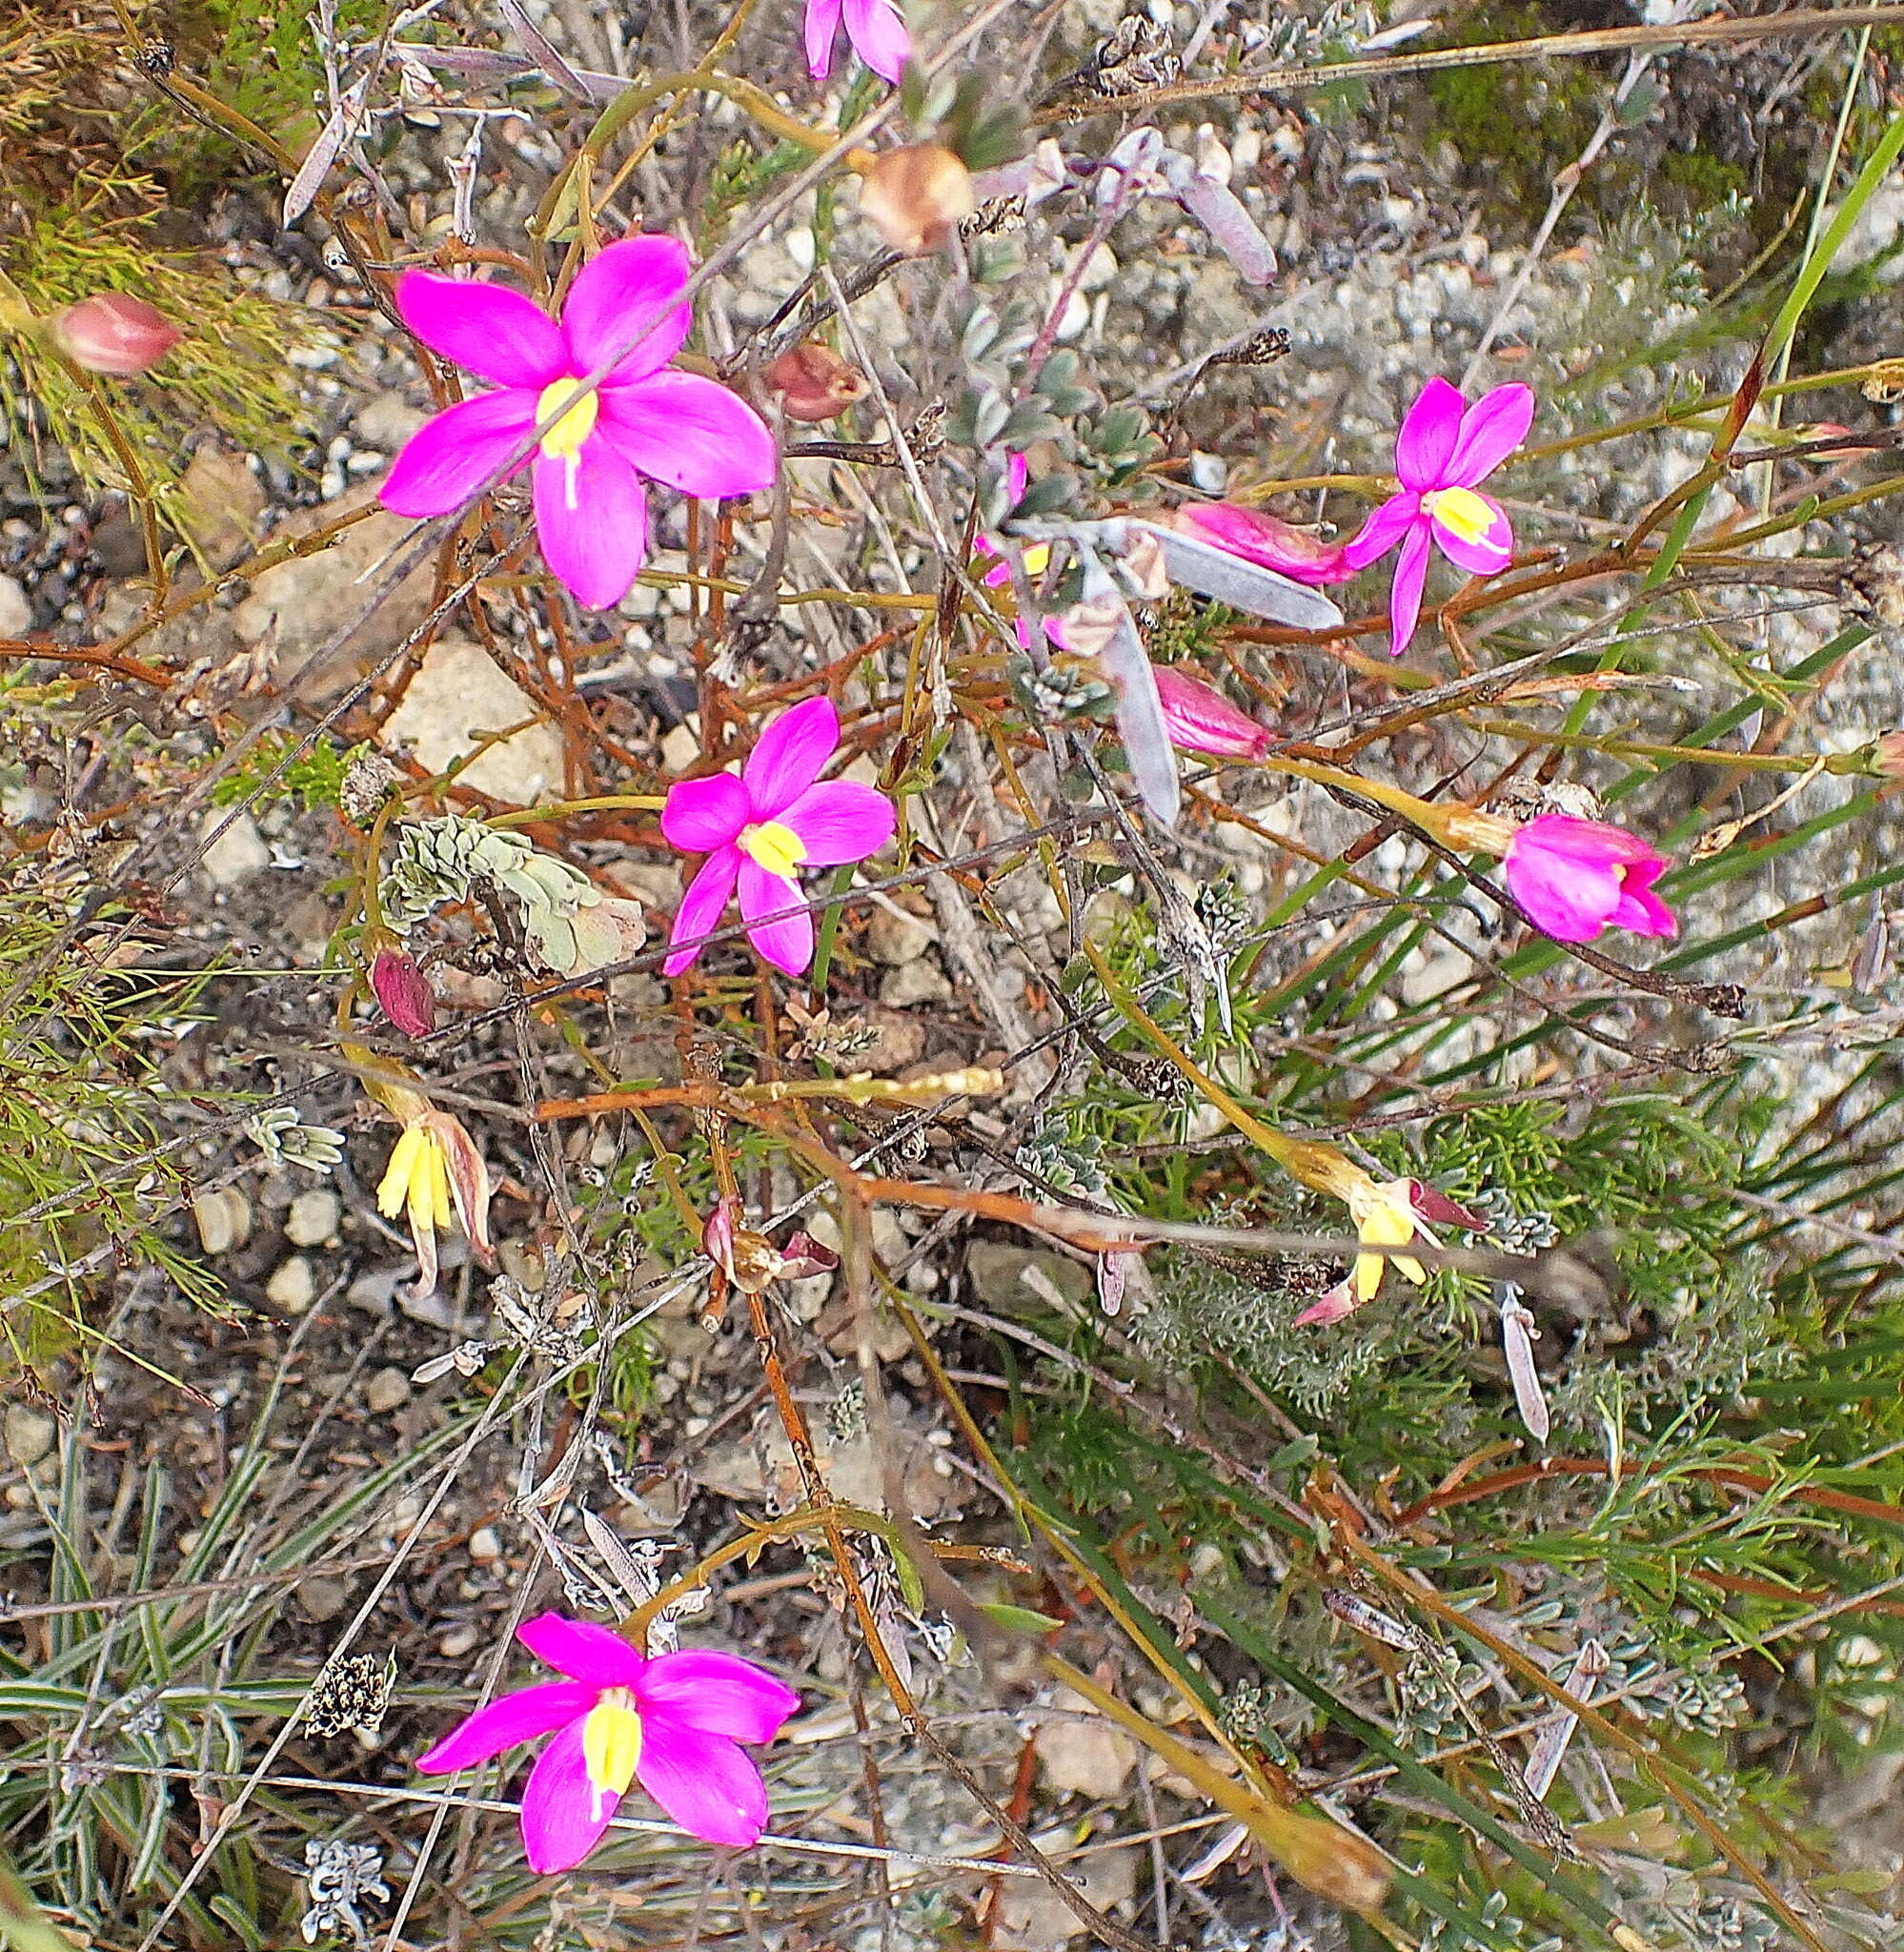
1640	909
1432	1204
1404	595
1490	431
1018	474
558	1826
718	1693
701	909
1340	1301
1570	901
622	307
823	30
787	943
518	1718
1593	842
597	546
1384	527
879	36
1266	540
582	1650
703	1781
451	456
1487	558
701	814
841	820
787	757
1427	437
689	432
485	328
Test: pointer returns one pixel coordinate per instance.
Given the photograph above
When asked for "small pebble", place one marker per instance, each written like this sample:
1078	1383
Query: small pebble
29	1433
313	1218
293	1285
387	1391
321	1599
485	1546
223	1217
17	610
238	854
459	1642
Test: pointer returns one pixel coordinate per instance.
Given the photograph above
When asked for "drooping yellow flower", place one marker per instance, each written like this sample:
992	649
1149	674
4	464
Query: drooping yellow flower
436	1175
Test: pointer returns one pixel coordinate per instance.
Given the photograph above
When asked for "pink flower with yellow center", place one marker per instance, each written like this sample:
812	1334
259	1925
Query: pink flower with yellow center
1576	877
645	422
672	1724
759	828
1443	448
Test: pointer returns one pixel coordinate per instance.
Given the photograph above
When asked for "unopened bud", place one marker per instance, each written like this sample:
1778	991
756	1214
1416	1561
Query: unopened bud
914	197
403	992
1201	719
1887	759
814	383
112	332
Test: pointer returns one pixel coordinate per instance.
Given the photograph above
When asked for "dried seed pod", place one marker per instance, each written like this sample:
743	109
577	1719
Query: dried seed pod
914	197
814	383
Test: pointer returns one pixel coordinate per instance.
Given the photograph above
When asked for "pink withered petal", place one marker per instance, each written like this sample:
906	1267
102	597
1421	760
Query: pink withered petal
449	458
785	942
623	306
403	992
591	516
879	36
1341	1300
1199	718
1435	1207
699	912
560	1825
787	757
821	30
1384	527
1427	437
503	1724
704	1781
1265	539
1405	597
720	1693
841	820
701	814
1490	554
487	329
582	1650
689	432
1490	431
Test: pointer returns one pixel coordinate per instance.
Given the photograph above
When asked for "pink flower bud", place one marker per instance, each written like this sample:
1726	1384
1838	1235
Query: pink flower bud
1887	760
112	332
1263	539
1201	720
403	992
1576	877
814	383
916	196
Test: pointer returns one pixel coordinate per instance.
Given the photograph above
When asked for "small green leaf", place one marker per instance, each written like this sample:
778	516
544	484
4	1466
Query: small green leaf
1019	1619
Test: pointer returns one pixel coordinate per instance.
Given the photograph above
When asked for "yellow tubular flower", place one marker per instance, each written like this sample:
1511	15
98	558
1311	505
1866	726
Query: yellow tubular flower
436	1176
1384	1217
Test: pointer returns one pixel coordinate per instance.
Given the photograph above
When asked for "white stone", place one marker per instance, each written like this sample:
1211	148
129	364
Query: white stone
293	1285
680	746
485	1546
238	854
16	609
387	1391
313	1217
224	1219
458	693
29	1433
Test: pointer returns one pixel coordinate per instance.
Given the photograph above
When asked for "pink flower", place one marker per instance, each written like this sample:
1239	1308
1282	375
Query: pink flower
672	1724
1037	559
403	992
873	26
1199	718
1576	877
757	829
1265	539
113	332
646	419
1442	450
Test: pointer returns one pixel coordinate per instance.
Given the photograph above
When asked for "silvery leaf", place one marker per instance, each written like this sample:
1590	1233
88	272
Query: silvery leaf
1140	718
1213	571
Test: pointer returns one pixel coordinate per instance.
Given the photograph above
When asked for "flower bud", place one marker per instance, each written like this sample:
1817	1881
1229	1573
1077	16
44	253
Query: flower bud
1201	719
403	992
914	197
814	383
112	332
1886	761
1263	539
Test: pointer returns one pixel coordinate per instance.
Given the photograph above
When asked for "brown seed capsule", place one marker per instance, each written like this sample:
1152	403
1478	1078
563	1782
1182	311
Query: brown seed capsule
916	196
814	383
112	332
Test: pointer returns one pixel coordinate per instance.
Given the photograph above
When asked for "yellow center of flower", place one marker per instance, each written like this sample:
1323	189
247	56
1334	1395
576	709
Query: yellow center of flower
611	1747
1383	1216
1463	511
777	849
563	441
